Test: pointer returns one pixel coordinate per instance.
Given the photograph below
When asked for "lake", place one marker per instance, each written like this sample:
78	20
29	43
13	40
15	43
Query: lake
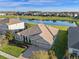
49	22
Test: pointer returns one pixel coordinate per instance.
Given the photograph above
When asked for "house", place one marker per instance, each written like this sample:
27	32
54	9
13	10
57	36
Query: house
40	35
15	24
73	40
2	14
10	24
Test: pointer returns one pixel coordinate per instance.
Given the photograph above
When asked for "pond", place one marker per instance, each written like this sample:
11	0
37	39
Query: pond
49	22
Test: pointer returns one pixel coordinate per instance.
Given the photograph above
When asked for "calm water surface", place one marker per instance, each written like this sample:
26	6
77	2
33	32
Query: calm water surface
58	23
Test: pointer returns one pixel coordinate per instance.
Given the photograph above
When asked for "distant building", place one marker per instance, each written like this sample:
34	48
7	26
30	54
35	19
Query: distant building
39	35
73	40
2	14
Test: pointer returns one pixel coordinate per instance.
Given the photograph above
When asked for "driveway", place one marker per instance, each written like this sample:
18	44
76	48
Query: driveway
29	51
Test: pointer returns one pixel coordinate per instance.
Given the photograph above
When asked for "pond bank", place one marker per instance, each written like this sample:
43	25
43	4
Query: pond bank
56	23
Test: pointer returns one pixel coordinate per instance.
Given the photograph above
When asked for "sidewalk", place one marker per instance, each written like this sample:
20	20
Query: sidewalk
7	55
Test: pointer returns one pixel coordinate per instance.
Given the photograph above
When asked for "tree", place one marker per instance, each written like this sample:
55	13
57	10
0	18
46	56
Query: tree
67	55
52	55
9	35
39	55
3	41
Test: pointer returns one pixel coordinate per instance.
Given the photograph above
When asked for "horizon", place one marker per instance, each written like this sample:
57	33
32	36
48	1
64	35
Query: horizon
39	5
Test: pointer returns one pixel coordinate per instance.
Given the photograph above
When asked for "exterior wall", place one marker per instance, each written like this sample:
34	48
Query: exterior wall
42	45
3	26
71	50
18	37
2	14
16	26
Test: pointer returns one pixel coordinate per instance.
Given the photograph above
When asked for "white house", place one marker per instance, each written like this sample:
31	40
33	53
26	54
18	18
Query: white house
15	24
2	14
39	35
73	40
11	24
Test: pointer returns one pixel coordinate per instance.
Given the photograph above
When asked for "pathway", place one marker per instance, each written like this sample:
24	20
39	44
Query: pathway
7	55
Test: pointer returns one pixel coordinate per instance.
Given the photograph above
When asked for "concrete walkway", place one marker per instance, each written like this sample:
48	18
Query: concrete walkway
7	55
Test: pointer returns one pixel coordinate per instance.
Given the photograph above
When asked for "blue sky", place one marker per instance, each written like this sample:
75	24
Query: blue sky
39	5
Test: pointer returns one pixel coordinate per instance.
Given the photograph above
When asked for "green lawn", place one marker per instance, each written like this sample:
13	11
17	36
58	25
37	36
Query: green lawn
77	23
64	28
28	25
60	44
40	17
13	50
47	18
2	57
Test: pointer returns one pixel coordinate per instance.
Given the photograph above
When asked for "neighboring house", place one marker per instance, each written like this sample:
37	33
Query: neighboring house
11	24
15	24
39	35
2	14
73	40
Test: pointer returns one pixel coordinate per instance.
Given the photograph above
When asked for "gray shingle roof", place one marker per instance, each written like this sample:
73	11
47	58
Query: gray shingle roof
42	31
31	31
76	45
73	37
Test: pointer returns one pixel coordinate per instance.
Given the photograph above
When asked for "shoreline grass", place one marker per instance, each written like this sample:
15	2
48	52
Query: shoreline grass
40	17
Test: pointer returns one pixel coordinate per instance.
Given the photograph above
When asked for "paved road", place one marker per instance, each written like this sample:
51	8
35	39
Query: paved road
7	55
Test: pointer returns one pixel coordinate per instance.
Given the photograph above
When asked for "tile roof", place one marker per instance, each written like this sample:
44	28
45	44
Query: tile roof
42	31
13	21
3	20
9	21
46	35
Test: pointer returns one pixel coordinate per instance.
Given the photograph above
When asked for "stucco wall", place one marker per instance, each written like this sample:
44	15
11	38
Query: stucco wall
3	26
16	26
72	49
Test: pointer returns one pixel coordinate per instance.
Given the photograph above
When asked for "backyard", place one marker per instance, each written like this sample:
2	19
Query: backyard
41	17
60	45
64	28
12	49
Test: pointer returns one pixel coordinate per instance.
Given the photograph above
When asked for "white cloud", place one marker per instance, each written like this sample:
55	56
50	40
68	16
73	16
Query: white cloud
13	3
41	0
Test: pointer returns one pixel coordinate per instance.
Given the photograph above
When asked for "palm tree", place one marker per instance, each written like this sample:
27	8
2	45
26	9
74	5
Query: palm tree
52	55
40	55
9	36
